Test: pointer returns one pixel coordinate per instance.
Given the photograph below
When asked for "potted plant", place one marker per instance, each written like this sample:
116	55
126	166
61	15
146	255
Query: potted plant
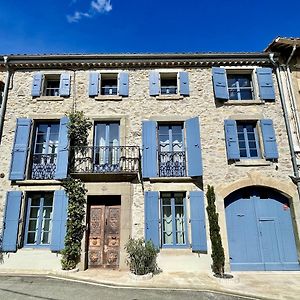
141	258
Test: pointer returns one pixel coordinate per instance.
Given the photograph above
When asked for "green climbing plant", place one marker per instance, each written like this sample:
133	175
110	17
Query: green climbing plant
78	131
218	257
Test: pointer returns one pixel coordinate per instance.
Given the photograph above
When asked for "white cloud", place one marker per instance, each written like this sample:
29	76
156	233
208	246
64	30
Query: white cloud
101	5
77	16
98	6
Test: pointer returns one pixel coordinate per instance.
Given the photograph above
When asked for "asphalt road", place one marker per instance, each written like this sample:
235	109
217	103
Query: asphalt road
46	288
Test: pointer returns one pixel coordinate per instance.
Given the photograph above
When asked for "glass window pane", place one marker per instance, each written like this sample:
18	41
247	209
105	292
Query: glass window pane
47	212
253	153
243	153
233	95
246	94
35	201
32	225
31	238
48	199
34	211
114	134
46	225
45	238
100	135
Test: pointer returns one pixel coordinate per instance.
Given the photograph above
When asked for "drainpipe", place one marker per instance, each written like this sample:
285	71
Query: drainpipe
5	96
295	178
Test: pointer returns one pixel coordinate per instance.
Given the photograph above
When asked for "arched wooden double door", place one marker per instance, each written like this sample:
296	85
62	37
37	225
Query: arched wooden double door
260	231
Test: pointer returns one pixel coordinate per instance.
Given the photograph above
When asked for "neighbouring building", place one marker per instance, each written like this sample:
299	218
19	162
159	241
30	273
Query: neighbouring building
164	127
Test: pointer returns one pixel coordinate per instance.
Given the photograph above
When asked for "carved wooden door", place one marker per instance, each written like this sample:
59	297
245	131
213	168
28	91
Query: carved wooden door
104	236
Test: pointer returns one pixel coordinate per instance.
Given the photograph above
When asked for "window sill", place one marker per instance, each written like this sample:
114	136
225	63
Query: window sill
108	98
252	163
243	102
49	98
171	179
169	97
38	182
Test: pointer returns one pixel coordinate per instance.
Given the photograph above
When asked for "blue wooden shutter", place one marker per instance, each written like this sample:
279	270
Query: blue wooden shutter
20	150
152	218
193	143
94	84
154	83
232	145
123	83
64	85
265	82
199	240
184	86
36	84
59	220
149	166
11	221
63	150
268	134
220	83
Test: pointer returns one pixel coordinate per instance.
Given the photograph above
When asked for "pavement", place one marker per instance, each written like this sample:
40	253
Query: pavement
255	285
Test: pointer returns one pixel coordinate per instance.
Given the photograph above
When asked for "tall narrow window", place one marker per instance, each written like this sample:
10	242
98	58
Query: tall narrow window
171	150
39	219
106	147
173	219
45	151
248	140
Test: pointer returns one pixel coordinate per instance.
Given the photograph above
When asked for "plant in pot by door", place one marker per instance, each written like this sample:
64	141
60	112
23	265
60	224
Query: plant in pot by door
141	258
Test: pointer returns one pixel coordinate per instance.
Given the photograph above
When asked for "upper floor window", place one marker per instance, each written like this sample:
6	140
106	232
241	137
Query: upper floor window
168	83
240	87
49	153
242	84
243	139
108	84
171	149
45	151
39	219
171	154
51	84
1	92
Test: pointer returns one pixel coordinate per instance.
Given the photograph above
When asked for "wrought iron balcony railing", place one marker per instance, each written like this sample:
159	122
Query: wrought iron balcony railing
105	159
43	166
51	91
109	90
172	164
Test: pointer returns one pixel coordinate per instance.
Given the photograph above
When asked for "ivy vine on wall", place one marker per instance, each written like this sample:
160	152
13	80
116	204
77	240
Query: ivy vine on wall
78	131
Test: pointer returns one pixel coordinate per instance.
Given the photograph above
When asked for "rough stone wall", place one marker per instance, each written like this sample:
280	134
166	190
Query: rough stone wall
140	106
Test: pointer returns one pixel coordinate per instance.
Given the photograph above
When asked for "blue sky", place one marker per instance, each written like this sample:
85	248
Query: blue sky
118	26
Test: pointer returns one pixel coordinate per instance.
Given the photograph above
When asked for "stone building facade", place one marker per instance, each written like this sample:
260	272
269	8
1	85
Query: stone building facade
164	127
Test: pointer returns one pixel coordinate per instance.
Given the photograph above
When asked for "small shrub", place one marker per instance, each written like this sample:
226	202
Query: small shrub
141	256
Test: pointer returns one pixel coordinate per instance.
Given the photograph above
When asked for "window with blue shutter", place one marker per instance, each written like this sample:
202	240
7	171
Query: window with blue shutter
20	149
269	139
149	149
123	84
194	152
198	224
36	84
265	83
152	218
38	228
63	150
64	86
11	221
184	83
173	219
59	220
231	137
93	84
220	83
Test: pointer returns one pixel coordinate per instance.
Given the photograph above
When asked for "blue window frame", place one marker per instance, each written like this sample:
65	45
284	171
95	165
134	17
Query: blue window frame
171	150
45	151
168	83
39	219
109	84
248	140
173	215
240	86
106	147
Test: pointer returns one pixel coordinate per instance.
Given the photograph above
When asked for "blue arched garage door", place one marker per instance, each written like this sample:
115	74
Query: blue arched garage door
260	231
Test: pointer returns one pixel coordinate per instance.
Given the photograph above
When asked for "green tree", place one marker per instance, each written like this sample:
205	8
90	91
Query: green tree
217	255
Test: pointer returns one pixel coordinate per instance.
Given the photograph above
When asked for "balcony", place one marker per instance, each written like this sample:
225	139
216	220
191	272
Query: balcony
103	162
172	164
43	166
